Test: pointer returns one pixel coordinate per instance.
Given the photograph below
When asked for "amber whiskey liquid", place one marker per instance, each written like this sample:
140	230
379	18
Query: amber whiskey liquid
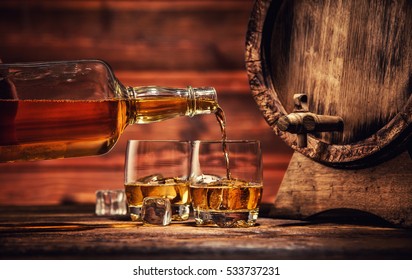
227	202
43	129
227	195
176	190
221	119
48	129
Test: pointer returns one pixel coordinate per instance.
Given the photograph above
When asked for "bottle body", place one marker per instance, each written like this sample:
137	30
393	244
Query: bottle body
78	108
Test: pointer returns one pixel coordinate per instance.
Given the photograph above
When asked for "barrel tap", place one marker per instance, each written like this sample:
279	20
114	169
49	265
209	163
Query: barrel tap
302	122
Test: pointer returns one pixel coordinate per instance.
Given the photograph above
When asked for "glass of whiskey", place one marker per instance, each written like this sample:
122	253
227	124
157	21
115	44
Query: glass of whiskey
158	169
226	182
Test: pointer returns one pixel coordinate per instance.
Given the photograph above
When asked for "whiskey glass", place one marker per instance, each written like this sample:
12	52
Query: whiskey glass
226	182
158	169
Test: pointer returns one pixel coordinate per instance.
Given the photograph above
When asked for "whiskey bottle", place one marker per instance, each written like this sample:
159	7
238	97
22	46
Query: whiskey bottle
78	108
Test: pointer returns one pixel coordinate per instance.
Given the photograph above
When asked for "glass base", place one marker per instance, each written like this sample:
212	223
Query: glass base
179	213
226	218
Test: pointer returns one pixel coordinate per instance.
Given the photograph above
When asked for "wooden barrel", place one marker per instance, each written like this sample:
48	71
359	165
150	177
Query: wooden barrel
353	59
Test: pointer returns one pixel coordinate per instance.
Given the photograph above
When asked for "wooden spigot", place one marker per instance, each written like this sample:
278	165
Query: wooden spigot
302	122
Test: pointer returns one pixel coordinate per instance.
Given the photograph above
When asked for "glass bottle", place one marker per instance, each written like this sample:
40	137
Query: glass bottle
78	108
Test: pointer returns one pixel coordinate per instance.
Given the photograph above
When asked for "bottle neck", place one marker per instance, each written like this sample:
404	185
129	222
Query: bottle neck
152	103
201	101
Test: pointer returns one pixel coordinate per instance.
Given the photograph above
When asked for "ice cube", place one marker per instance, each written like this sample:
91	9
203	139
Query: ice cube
156	211
110	202
215	199
237	198
206	179
170	181
152	179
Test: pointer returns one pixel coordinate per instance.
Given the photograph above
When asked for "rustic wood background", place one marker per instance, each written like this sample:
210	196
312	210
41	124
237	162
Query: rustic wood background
167	43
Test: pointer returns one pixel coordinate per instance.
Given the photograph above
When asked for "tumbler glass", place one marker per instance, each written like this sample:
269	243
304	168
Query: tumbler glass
226	182
158	169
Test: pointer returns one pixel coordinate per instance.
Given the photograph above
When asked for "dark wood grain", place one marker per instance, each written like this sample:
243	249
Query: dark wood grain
385	191
352	60
73	232
137	35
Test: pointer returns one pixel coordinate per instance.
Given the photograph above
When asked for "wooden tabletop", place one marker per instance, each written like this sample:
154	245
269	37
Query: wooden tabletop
75	232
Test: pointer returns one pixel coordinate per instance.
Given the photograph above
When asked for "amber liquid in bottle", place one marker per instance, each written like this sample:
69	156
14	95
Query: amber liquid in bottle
45	129
78	108
69	128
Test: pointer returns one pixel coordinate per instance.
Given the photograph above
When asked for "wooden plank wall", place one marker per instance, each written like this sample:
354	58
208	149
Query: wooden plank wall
167	43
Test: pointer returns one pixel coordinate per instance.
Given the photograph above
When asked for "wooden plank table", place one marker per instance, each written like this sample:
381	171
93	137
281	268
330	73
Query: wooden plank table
74	232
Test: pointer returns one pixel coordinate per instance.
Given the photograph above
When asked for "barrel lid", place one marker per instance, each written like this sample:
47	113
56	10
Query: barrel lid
353	59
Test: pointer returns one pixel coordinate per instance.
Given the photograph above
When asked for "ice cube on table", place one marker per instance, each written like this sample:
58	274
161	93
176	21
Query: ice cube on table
156	211
110	203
